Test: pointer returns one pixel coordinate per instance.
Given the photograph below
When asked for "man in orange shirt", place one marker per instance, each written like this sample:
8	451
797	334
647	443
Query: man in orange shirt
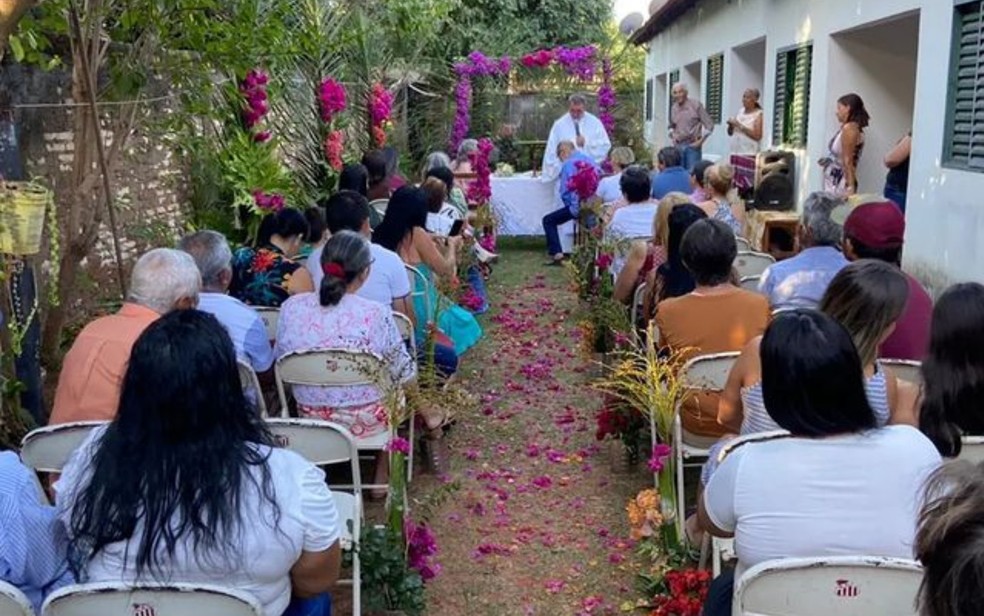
91	376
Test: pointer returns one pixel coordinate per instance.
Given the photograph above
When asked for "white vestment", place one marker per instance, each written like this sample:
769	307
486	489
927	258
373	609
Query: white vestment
596	142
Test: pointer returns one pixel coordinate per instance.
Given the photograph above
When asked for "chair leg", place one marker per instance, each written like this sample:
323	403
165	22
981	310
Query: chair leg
681	488
356	584
413	445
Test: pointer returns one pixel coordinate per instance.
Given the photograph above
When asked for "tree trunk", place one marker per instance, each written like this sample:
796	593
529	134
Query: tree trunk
11	12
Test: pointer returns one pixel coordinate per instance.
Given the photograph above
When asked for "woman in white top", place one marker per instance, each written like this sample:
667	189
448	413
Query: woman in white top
838	485
609	189
185	484
746	127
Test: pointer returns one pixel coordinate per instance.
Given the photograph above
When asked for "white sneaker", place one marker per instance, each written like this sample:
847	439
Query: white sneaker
484	256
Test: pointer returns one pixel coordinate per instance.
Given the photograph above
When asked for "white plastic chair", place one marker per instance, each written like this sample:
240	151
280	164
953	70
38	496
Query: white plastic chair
405	326
420	286
341	368
749	263
750	283
13	602
380	206
723	550
704	373
638	298
270	316
743	244
829	586
114	599
322	443
251	385
905	369
48	449
972	449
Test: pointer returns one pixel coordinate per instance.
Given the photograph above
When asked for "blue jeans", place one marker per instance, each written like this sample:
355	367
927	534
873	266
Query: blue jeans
720	595
315	606
445	359
895	195
689	155
550	223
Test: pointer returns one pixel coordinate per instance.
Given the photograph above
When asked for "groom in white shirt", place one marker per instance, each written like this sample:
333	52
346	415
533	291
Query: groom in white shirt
581	128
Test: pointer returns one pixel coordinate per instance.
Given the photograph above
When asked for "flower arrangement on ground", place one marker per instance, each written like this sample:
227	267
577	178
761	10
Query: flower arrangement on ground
479	195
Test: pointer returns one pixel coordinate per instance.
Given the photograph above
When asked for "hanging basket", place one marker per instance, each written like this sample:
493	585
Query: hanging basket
22	209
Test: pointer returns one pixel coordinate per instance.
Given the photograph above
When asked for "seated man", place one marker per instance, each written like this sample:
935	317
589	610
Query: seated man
89	384
212	255
33	544
800	281
570	202
876	231
670	176
714	318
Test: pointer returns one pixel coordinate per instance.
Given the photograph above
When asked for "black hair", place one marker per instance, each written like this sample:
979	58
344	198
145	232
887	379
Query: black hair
953	370
812	381
406	211
315	218
375	164
700	168
635	184
888	255
708	250
444	174
354	177
348	252
288	222
669	157
857	113
346	210
677	280
181	456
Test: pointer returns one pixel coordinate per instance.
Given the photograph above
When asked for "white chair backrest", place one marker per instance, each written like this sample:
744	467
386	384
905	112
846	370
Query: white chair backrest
379	205
13	602
319	442
750	283
743	244
48	449
756	437
330	368
708	372
111	599
251	385
420	286
829	586
405	326
972	449
638	299
270	318
749	263
905	369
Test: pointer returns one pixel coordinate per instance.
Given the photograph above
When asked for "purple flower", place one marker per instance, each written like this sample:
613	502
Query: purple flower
421	546
462	97
262	136
661	451
398	444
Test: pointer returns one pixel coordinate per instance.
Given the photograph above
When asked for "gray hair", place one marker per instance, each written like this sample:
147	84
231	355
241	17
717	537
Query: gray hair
577	99
351	251
816	218
163	277
465	148
435	160
212	255
566	144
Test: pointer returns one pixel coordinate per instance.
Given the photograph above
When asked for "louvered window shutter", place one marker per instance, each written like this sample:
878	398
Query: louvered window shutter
649	100
715	86
800	105
779	110
965	139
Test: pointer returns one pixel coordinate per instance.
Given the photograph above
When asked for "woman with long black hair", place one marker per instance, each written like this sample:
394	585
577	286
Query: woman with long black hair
186	486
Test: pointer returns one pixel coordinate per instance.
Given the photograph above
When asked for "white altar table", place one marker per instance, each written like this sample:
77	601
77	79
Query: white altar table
519	204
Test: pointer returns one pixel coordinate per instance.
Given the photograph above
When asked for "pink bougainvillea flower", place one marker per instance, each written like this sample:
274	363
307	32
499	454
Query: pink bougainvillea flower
398	444
262	136
543	482
332	99
471	454
532	450
554	586
660	453
334	146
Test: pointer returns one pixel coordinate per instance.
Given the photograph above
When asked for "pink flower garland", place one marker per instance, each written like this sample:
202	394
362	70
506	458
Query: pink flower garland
266	202
332	99
380	110
253	90
334	146
607	99
480	190
475	65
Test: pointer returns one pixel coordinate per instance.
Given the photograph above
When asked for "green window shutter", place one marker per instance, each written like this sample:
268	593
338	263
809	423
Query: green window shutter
779	108
649	99
715	86
800	104
964	145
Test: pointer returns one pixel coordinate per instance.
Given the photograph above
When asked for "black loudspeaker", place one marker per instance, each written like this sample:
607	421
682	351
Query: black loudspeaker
775	181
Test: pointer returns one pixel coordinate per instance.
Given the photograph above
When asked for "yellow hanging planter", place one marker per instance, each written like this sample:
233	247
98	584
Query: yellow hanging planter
22	209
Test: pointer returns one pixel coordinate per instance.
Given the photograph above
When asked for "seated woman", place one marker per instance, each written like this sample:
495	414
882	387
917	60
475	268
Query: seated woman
838	485
266	274
186	485
403	231
698	181
715	317
949	403
456	196
462	162
609	188
867	298
722	204
671	279
440	214
645	257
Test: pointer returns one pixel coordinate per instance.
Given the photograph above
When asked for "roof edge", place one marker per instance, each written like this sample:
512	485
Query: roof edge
661	20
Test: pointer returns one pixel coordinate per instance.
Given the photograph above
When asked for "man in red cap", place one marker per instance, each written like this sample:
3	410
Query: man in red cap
876	231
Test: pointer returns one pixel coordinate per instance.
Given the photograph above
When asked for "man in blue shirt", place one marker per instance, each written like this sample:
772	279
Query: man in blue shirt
571	202
671	176
801	281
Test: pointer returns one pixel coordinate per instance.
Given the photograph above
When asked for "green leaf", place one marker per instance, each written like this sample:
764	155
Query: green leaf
16	47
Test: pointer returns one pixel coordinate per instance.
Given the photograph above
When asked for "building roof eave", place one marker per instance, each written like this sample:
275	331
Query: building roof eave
661	20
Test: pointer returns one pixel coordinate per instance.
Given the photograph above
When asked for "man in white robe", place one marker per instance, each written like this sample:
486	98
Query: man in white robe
583	129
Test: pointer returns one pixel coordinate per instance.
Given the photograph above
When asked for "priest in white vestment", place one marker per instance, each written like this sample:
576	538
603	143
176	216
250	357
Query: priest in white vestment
581	128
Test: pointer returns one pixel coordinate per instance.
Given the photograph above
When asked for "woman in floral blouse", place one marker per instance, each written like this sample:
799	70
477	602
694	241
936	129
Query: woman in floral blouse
267	274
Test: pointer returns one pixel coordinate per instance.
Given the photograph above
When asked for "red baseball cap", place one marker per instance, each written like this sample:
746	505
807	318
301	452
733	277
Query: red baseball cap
876	225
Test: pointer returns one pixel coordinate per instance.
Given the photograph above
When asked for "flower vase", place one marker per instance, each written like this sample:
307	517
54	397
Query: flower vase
672	528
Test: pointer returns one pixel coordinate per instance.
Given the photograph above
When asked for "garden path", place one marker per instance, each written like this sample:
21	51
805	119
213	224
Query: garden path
532	519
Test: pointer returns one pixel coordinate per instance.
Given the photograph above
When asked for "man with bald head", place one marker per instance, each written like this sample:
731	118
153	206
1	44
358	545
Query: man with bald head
690	125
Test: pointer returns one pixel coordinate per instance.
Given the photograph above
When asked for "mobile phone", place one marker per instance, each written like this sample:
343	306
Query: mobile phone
456	227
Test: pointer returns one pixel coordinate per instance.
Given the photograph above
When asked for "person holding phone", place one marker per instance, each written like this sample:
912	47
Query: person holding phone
441	215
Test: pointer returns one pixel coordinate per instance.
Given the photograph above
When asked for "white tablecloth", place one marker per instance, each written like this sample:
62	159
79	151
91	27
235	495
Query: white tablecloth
519	204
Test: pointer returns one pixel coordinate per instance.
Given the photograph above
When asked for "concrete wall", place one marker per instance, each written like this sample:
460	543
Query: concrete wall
945	217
